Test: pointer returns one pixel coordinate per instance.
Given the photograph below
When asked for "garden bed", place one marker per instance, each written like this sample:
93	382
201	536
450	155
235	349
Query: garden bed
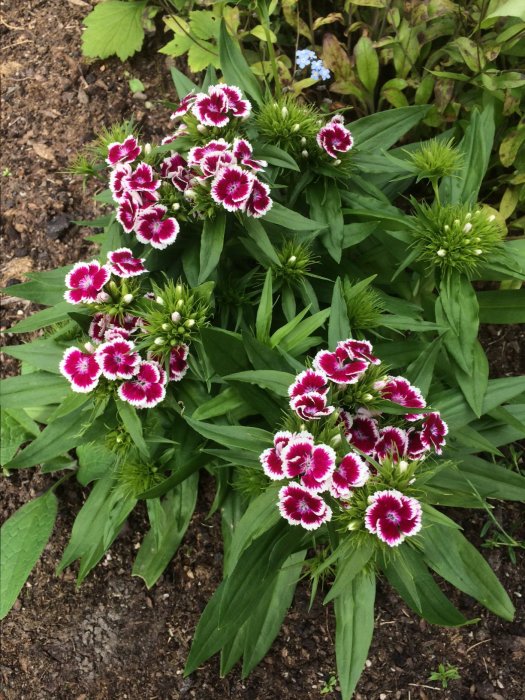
112	638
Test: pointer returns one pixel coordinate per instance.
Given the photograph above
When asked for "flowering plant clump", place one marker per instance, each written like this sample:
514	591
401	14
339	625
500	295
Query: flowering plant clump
341	439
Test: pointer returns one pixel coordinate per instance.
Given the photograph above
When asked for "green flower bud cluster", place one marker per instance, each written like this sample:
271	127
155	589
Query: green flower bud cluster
455	236
296	260
436	159
364	305
173	317
290	125
134	476
118	297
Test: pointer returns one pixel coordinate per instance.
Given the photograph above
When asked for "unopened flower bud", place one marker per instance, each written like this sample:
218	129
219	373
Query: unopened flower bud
477	239
180	304
284	111
477	212
303	141
103	296
292	259
468	216
118	439
147	148
89	347
492	218
159	341
296	127
336	440
189	193
337	161
190	323
478	251
159	300
467	228
201	128
456	222
403	466
304	154
466	241
368	397
165	326
175	207
446	227
354	524
127	298
441	252
176	317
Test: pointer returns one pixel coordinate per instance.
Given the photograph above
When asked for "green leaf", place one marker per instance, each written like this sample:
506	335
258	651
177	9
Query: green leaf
354	619
183	85
15	428
291	220
263	320
278	382
95	462
381	130
226	402
253	439
114	27
41	319
457	308
302	331
258	235
503	306
225	350
169	521
430	603
474	383
212	242
421	370
275	156
476	147
45	288
352	562
325	206
234	67
133	425
367	63
453	557
24	536
34	389
56	439
338	324
44	353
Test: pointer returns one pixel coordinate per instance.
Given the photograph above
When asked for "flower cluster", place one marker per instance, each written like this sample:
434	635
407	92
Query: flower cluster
124	346
334	137
307	57
347	446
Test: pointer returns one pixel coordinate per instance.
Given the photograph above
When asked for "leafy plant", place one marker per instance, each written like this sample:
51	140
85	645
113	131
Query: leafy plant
444	674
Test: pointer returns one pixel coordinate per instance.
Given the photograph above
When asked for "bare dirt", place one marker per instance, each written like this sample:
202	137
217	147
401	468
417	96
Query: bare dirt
112	638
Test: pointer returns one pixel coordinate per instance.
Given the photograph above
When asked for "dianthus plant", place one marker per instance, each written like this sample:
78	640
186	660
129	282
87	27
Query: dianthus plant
345	491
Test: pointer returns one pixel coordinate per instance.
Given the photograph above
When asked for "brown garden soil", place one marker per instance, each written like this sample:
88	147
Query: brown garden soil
112	638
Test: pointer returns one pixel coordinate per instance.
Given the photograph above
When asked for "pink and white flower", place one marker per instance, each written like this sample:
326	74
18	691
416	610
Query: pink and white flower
117	181
117	358
312	406
212	109
178	362
259	202
176	169
334	138
231	187
433	432
416	448
82	370
184	105
146	389
197	153
339	367
123	264
361	432
392	443
212	161
239	107
152	228
271	458
85	281
308	382
352	472
142	179
243	151
315	464
301	507
127	212
125	152
393	516
360	350
399	390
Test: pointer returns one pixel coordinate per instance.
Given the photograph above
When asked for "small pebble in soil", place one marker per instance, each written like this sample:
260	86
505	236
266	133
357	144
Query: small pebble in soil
57	226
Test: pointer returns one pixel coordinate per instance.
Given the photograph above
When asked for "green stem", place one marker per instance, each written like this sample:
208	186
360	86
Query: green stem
262	13
436	190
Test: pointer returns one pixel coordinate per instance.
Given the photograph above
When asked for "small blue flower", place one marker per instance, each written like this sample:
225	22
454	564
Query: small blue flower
319	70
304	57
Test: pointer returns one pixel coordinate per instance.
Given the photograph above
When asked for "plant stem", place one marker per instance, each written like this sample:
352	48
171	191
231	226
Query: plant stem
262	13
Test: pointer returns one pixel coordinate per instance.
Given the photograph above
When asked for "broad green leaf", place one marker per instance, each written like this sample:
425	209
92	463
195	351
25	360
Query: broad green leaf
503	306
226	402
133	425
338	325
367	63
45	288
352	562
212	242
453	557
354	627
291	220
275	156
474	383
169	520
44	354
95	462
24	536
15	428
325	206
234	67
278	382
302	331
56	439
252	439
258	235
476	147
430	603
41	319
381	131
457	308
421	370
263	320
507	8
225	350
114	27
209	637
